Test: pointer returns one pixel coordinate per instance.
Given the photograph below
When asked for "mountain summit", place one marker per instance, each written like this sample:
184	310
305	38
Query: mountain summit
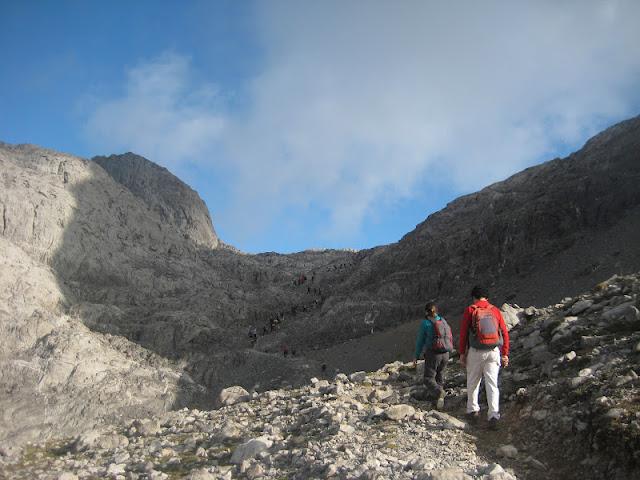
174	201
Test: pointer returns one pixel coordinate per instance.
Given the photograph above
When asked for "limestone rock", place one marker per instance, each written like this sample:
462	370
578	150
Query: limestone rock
626	311
448	474
510	315
250	449
201	474
147	427
507	451
67	476
233	395
399	412
449	421
580	306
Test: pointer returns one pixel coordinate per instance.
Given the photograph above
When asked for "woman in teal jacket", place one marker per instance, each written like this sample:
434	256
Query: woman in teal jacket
435	363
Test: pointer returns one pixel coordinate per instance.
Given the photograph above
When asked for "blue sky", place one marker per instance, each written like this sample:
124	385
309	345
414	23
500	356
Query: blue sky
319	124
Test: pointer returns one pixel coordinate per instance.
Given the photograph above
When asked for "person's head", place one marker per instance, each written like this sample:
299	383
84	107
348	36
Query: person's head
431	309
479	292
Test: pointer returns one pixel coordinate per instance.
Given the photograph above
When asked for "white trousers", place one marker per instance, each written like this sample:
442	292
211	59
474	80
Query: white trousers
483	363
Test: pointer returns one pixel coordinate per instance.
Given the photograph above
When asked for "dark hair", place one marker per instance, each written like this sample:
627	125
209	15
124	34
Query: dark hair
479	292
431	306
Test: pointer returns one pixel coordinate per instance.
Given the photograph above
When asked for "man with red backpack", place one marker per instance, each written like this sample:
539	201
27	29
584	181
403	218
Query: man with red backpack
484	347
435	338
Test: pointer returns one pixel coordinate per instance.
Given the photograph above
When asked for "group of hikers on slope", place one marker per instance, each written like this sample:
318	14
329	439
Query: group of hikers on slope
483	348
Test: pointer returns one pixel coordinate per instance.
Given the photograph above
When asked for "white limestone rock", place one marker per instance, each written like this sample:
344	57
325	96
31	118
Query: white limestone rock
399	412
233	395
250	449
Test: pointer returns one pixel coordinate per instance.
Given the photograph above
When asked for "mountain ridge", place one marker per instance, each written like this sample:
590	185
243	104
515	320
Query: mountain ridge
149	291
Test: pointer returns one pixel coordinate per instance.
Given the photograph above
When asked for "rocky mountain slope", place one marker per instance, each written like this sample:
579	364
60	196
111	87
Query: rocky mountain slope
115	286
553	228
109	300
570	409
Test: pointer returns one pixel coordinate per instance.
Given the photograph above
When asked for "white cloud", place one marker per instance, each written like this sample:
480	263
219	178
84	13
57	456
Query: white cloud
357	100
164	114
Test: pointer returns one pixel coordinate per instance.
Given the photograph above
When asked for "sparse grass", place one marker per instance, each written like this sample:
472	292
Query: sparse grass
39	455
187	463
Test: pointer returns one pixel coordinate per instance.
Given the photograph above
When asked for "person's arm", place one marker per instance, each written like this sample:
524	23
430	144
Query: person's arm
464	335
504	349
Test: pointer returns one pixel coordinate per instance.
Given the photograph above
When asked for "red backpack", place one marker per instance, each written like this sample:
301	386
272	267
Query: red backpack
485	326
442	337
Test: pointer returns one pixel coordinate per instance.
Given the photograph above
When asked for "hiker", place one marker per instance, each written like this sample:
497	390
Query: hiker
253	335
436	341
484	347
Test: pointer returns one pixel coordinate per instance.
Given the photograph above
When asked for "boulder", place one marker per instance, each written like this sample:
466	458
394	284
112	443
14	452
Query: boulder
449	422
147	427
233	395
507	451
580	306
358	377
510	315
447	474
399	412
250	449
201	474
626	312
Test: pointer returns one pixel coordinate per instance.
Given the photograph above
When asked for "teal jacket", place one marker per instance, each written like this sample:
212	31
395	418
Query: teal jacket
425	335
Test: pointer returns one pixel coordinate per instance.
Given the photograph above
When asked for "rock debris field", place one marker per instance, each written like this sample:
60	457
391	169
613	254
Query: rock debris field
570	404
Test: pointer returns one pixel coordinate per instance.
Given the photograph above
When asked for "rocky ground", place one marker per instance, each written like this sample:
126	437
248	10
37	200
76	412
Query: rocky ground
570	409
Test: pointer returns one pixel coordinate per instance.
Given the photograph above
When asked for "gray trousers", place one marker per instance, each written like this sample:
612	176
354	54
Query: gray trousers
434	367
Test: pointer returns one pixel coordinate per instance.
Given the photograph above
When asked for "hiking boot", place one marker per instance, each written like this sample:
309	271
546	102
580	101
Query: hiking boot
494	423
440	401
473	417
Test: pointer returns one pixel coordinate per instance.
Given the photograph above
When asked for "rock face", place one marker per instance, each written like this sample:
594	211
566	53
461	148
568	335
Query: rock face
57	375
175	202
108	307
557	227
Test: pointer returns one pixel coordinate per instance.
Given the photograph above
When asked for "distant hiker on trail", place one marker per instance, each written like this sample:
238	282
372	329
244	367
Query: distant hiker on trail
253	335
436	341
484	346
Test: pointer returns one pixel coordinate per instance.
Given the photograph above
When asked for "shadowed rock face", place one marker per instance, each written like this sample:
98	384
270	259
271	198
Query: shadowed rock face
551	229
122	253
568	409
174	201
